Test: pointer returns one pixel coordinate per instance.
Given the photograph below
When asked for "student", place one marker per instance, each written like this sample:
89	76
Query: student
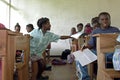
73	41
79	27
105	27
95	22
29	27
40	39
18	52
17	28
88	29
73	31
2	26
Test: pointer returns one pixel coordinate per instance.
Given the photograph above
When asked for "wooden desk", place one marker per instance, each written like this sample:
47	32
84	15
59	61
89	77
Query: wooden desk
7	53
9	43
23	43
105	44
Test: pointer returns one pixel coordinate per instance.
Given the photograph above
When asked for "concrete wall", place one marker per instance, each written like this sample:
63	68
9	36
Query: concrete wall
63	14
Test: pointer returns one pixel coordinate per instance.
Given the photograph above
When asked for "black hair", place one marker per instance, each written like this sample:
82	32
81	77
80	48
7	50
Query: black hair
42	21
95	20
30	26
80	24
104	13
17	25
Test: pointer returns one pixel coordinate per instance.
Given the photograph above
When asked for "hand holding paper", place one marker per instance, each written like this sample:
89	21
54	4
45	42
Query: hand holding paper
77	35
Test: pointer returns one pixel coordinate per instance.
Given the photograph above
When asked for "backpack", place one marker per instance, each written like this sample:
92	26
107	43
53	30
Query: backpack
65	53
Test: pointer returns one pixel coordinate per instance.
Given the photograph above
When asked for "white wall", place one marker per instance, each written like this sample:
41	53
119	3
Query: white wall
63	14
59	47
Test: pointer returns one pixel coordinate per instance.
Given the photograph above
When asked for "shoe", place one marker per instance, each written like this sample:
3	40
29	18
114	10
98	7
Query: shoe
43	78
48	68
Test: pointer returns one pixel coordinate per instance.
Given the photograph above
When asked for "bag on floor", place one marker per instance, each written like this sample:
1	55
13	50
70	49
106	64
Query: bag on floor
65	53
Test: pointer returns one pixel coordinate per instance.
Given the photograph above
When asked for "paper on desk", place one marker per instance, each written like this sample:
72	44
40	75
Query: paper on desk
85	57
77	35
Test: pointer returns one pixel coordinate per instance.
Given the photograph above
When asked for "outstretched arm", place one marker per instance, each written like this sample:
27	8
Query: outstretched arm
64	37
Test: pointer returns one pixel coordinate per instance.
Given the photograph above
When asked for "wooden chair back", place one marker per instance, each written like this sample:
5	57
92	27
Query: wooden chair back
106	44
9	43
7	54
23	43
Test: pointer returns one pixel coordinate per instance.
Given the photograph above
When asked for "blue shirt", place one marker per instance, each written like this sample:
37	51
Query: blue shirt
40	41
110	29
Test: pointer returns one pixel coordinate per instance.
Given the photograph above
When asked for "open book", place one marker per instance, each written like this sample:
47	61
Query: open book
85	57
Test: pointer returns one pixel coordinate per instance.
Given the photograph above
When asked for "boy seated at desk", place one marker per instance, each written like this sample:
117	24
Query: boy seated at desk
105	27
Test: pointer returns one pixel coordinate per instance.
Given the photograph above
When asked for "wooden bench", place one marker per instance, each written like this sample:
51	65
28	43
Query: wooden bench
23	43
105	44
7	54
9	43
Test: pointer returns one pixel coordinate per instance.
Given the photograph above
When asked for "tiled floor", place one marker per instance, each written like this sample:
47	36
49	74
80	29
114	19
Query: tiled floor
62	72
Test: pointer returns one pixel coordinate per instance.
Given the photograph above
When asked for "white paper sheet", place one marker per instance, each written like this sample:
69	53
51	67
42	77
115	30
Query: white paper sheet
85	57
118	38
77	35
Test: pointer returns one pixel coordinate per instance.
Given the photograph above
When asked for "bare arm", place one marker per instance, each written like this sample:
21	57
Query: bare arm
64	37
28	35
86	46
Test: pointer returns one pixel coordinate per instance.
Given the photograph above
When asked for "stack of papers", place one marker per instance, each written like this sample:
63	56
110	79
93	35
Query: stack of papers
85	57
